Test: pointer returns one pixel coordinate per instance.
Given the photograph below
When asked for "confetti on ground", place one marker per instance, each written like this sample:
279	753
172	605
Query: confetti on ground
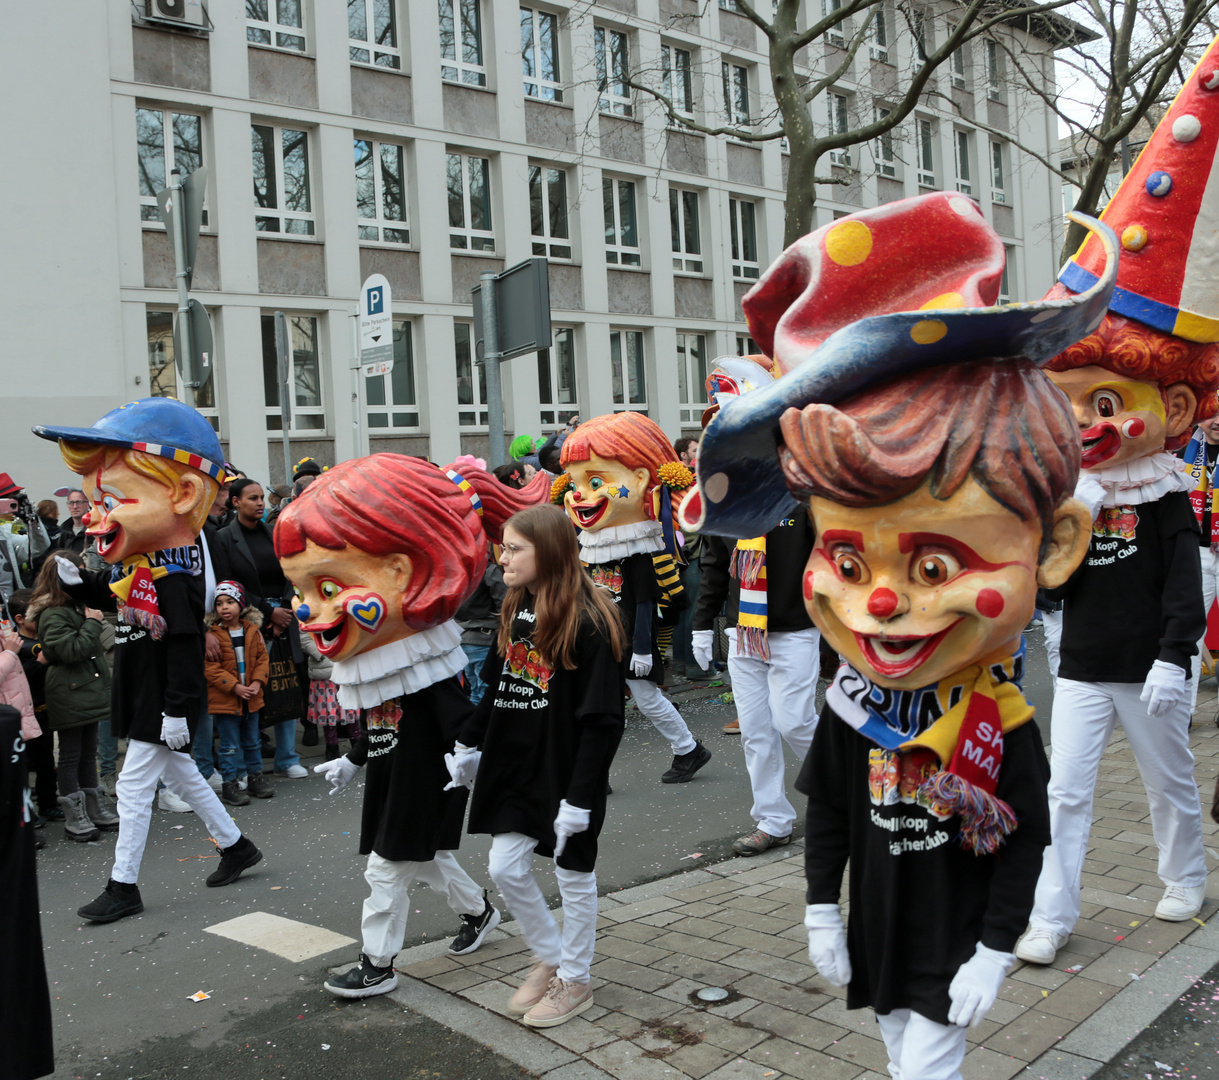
1074	968
179	826
198	995
696	855
274	887
185	857
325	1046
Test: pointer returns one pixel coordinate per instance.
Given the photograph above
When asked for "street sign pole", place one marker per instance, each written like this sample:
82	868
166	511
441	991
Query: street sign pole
495	390
185	363
283	359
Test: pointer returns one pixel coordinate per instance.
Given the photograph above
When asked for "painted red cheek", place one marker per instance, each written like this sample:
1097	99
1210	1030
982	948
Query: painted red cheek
1133	428
882	603
990	603
808	585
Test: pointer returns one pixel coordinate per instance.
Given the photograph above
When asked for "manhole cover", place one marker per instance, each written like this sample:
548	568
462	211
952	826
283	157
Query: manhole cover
712	993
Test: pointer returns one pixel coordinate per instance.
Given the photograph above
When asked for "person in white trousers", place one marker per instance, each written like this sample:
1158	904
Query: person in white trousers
1200	457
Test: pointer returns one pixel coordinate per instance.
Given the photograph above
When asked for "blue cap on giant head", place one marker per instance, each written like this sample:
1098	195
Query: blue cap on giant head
160	426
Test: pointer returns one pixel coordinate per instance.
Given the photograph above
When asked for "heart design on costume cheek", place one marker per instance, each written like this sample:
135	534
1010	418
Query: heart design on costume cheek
368	610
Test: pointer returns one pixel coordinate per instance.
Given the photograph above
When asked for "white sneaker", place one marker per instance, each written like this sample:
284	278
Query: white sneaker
214	781
1180	904
295	772
167	800
1040	945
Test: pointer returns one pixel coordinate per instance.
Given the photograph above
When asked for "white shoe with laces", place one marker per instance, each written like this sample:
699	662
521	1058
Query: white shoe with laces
1180	903
167	800
215	781
1040	945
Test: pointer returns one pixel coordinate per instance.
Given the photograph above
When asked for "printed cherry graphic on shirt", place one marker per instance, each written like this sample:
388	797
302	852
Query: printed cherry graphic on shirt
367	609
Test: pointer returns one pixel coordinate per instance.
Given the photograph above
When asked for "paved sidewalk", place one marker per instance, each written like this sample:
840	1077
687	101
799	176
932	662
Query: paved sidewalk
739	925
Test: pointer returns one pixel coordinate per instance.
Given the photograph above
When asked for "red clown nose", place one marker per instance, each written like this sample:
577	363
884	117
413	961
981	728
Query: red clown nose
882	603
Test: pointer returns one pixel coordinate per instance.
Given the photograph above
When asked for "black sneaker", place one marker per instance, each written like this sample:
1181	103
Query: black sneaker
474	928
118	900
233	861
686	765
232	795
363	980
259	786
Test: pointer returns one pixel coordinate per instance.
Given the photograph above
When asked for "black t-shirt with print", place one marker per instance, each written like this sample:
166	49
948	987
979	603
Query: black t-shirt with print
632	581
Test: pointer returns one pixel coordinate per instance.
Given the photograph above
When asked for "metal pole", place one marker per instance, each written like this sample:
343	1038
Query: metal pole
357	386
283	358
186	362
495	391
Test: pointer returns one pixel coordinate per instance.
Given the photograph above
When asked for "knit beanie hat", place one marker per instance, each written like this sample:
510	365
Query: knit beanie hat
233	590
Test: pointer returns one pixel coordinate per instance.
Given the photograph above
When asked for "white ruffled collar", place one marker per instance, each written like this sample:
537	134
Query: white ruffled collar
1143	480
621	541
401	667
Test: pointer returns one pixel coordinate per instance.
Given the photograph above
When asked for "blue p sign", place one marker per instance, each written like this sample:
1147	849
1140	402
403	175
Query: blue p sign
376	300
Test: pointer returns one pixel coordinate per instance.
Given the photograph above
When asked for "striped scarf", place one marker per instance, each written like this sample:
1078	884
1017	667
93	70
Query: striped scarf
748	566
1195	456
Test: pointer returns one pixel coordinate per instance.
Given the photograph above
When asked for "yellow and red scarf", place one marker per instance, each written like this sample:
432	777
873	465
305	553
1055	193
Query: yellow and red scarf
748	566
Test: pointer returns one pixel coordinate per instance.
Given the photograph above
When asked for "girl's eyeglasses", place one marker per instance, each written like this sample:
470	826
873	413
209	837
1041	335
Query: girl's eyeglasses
513	550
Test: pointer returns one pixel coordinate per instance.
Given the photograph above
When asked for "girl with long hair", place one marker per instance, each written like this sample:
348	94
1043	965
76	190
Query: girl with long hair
539	748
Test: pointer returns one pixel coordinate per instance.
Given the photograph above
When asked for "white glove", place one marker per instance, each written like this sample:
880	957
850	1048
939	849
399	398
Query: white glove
571	820
339	772
640	665
976	985
827	943
462	764
69	573
1090	492
702	642
174	729
1164	688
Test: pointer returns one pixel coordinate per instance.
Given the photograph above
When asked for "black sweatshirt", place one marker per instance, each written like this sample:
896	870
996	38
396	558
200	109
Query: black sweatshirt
1137	597
788	546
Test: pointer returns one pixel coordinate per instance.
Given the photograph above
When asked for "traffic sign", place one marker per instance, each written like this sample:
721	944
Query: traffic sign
194	187
196	369
376	326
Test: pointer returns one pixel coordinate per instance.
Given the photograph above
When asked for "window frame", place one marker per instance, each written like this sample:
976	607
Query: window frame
541	84
477	379
618	253
840	123
692	372
746	346
883	153
380	222
205	397
836	34
271	411
150	210
612	103
282	214
394	409
376	52
558	412
620	379
274	29
476	237
741	265
686	259
961	155
878	35
562	250
1005	281
998	173
994	70
669	54
457	69
734	79
925	135
956	62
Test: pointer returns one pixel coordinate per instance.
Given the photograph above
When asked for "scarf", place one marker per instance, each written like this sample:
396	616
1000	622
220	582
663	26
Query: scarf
962	721
748	566
133	583
1195	457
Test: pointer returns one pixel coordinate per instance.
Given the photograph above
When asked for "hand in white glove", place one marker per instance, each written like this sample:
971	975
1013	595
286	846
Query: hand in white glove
976	985
702	642
827	943
1090	492
174	729
339	772
641	665
571	820
1164	687
69	574
462	764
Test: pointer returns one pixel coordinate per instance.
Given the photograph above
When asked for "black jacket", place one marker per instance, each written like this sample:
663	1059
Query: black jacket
69	539
233	561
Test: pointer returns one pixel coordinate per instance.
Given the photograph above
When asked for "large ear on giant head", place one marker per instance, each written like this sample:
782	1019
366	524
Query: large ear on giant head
1181	406
193	488
1066	545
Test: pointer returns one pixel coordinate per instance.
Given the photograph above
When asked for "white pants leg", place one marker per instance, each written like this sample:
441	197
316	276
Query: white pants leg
664	716
1210	588
921	1049
579	892
143	766
510	866
1051	623
776	701
383	926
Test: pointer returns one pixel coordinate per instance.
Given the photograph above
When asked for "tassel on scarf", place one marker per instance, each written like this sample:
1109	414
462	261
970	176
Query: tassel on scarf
748	566
986	820
151	621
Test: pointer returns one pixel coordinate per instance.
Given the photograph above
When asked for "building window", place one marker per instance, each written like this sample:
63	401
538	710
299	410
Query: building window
735	78
964	173
621	230
886	158
307	414
557	392
381	192
373	31
994	78
998	186
461	42
613	70
840	124
548	212
628	370
746	346
730	5
391	401
878	47
165	140
163	368
678	80
683	224
540	54
692	376
281	180
834	35
275	22
744	234
469	183
922	36
471	389
1009	274
925	149
956	62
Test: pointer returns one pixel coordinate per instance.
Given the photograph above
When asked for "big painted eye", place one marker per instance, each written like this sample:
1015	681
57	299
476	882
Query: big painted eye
851	568
937	568
109	503
297	593
596	483
329	590
1106	403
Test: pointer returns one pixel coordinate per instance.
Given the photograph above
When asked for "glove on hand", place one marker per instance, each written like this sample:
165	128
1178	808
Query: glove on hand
69	574
174	729
571	820
1090	492
1164	687
640	665
339	772
702	643
827	943
462	764
976	985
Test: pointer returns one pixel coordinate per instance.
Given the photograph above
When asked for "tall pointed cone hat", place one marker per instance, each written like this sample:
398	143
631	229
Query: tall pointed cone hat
1166	216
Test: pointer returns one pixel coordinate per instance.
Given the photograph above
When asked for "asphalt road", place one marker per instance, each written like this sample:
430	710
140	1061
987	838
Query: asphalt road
121	992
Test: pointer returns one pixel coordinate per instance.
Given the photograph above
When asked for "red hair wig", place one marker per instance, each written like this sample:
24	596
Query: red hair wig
629	437
390	504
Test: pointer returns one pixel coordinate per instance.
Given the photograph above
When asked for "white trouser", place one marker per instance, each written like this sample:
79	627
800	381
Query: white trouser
383	926
1051	625
144	765
1081	725
921	1049
1210	587
511	868
663	714
776	700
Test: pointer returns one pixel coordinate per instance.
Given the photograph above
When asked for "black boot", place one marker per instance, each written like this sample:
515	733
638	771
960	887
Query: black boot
310	736
118	900
233	861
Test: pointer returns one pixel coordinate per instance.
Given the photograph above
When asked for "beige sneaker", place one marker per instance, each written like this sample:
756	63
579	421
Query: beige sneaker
533	989
563	1000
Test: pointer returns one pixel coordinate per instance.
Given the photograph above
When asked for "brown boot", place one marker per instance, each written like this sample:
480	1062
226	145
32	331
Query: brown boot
533	989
